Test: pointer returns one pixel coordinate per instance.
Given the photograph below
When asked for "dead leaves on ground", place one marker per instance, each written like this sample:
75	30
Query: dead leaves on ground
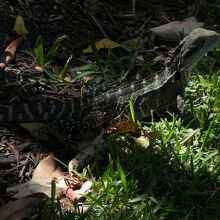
24	208
173	30
47	173
49	170
9	52
169	31
104	43
19	26
133	130
124	127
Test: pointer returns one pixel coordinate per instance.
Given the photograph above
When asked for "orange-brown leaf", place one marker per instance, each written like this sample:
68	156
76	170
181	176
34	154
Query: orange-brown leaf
123	127
9	52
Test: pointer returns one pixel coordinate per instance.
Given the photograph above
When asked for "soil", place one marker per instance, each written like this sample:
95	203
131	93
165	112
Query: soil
20	153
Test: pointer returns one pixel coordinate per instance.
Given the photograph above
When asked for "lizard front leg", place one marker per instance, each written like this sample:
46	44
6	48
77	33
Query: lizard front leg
94	119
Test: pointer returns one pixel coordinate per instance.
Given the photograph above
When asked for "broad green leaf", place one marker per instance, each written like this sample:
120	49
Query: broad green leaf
132	110
39	51
53	49
122	175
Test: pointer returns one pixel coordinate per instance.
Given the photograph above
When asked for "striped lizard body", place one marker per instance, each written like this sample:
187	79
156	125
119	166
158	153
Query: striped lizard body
156	92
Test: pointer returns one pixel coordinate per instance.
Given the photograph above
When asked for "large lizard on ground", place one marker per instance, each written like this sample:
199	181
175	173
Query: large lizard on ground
157	92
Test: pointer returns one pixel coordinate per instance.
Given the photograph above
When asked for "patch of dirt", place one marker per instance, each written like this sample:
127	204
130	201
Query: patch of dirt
19	156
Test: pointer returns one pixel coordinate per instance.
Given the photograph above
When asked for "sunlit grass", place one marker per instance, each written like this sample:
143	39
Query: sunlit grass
177	177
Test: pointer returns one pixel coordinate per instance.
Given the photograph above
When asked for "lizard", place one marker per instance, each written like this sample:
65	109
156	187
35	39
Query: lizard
156	92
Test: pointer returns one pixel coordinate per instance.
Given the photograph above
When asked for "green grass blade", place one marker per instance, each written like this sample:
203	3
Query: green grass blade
131	106
39	51
53	197
74	171
122	175
52	76
65	68
53	49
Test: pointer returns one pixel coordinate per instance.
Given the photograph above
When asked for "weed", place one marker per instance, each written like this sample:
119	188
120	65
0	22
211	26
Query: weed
43	59
111	67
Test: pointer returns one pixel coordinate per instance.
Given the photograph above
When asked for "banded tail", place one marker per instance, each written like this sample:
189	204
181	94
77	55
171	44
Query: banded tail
42	111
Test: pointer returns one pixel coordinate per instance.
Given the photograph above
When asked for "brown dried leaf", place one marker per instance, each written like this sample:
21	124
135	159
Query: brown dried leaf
124	126
147	140
48	168
9	52
46	171
104	43
172	30
24	208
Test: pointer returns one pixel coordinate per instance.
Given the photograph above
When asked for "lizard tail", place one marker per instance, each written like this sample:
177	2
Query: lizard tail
41	111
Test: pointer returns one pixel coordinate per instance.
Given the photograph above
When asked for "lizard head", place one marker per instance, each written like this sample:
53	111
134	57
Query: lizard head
193	47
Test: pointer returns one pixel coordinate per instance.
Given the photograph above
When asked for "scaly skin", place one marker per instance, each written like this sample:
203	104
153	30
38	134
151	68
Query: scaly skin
162	90
157	92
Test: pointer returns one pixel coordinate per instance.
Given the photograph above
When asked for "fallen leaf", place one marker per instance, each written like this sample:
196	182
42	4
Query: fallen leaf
19	26
124	126
142	141
173	30
9	52
46	171
147	140
48	168
104	43
88	79
24	208
133	43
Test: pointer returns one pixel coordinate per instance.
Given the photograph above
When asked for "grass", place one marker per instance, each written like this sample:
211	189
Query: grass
177	176
113	65
107	65
43	58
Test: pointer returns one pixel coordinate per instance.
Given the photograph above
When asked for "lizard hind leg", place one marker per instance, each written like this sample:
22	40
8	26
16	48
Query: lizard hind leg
93	119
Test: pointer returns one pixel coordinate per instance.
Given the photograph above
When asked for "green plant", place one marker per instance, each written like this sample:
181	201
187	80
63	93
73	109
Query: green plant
39	51
44	58
111	67
178	177
181	35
